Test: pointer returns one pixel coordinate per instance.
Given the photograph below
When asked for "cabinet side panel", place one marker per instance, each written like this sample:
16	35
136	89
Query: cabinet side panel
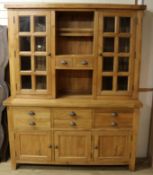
12	40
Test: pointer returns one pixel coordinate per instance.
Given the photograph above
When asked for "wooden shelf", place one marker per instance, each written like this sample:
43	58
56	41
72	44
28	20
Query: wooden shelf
75	32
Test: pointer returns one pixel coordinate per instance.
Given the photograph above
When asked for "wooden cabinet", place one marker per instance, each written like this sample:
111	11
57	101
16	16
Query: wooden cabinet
74	71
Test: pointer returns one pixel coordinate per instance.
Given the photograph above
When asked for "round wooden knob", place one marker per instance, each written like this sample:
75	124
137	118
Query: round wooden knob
114	124
114	114
56	147
100	54
32	123
96	147
64	62
73	123
84	62
72	113
32	113
50	146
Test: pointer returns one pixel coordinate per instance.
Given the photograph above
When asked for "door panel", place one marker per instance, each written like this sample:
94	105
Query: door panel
112	146
116	53
33	146
33	52
72	146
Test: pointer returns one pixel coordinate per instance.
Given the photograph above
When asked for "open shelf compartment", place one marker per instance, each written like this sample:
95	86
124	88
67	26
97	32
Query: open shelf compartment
74	33
74	82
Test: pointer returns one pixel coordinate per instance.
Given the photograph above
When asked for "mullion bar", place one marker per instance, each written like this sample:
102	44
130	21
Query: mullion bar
116	54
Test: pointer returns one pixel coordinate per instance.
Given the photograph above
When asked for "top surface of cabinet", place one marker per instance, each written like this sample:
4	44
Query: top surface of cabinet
74	6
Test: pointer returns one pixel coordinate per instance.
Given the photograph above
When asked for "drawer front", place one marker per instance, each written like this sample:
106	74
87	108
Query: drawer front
63	62
113	119
72	124
72	118
34	118
83	62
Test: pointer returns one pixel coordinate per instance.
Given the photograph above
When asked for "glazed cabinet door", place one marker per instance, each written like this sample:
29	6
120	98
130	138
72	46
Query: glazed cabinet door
116	53
33	52
33	146
112	146
72	146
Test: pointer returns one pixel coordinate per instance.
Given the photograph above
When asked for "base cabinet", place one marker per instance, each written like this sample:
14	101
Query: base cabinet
72	146
112	146
33	146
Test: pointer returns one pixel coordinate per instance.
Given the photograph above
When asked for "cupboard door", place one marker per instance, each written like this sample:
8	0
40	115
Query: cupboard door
72	146
33	52
33	146
116	53
112	146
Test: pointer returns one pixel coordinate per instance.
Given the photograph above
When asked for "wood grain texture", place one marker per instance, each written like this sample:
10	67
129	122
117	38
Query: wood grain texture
74	6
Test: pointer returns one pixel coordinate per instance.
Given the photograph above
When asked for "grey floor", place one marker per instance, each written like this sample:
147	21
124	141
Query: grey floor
5	169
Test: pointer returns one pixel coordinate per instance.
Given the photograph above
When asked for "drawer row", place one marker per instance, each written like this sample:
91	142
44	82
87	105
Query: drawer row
73	62
40	118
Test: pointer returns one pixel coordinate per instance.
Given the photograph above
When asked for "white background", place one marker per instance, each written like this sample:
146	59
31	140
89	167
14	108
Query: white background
146	68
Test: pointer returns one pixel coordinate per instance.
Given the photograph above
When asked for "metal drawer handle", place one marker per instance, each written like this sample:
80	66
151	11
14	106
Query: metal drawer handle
114	124
72	113
73	123
31	113
84	62
32	123
114	114
64	62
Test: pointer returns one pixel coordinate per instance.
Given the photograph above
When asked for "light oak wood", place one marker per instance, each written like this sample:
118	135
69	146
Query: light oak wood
113	119
35	146
75	6
67	144
74	71
118	141
31	118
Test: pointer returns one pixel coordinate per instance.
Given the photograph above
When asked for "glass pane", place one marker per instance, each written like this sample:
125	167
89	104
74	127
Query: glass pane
123	64
109	24
40	63
40	43
25	62
107	83
108	64
26	82
40	23
24	24
124	45
108	44
25	44
122	83
125	24
40	82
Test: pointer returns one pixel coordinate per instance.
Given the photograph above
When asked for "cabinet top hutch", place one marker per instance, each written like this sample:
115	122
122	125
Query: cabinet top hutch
74	54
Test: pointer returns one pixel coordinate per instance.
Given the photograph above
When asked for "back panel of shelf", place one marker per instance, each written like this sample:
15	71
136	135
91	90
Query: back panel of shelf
74	33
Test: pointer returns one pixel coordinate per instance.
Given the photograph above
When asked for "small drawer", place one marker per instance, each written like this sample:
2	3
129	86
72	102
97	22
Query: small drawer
83	62
113	119
72	118
36	118
72	113
72	124
63	62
